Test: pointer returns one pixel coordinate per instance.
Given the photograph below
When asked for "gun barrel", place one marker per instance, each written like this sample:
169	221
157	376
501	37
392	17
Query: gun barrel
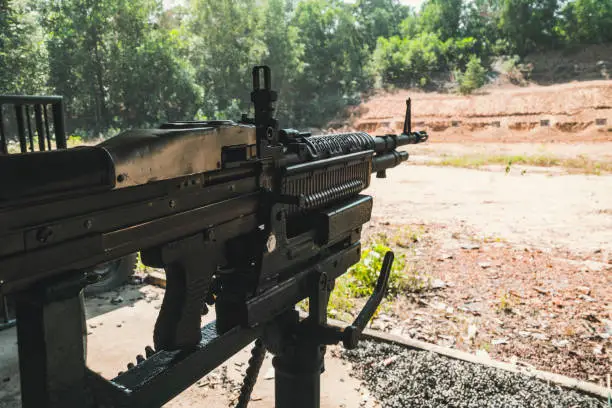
391	142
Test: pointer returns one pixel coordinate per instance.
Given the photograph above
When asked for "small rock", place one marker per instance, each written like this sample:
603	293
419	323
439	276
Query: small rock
438	284
376	326
116	300
560	343
444	257
136	280
598	350
470	246
524	333
471	331
607	326
484	265
390	360
496	342
587	298
385	318
92	326
119	325
584	289
539	336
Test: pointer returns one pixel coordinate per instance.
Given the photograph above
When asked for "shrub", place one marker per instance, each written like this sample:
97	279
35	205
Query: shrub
474	77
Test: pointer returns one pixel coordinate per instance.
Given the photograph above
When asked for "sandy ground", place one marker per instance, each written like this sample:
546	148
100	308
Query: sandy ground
431	151
571	211
524	260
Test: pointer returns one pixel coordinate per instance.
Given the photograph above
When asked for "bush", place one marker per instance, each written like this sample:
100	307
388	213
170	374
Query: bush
474	77
408	61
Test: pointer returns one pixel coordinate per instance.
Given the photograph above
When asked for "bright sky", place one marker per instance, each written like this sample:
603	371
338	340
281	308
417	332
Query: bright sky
413	3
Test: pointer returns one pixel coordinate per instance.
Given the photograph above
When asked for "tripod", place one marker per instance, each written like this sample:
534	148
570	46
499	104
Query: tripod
51	329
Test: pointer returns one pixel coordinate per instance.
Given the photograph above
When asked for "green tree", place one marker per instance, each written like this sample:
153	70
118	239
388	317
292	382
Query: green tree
114	64
283	55
441	17
379	18
480	20
334	58
586	22
23	56
528	24
225	42
409	61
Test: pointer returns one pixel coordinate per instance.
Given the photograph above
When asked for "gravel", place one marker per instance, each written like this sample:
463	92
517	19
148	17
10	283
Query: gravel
399	378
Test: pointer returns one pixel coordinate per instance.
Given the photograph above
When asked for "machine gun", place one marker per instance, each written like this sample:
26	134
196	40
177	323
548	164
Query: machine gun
246	216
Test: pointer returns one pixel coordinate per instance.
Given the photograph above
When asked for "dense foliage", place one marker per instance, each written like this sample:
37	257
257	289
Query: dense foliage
123	63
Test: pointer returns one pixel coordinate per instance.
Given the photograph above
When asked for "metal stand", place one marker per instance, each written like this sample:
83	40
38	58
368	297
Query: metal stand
300	346
299	364
298	377
50	330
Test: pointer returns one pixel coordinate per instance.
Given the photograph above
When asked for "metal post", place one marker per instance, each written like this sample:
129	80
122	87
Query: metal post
58	124
47	127
3	142
29	122
298	376
21	128
39	127
50	330
298	368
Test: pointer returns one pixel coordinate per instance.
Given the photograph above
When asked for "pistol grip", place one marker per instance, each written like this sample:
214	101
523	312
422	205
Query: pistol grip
189	276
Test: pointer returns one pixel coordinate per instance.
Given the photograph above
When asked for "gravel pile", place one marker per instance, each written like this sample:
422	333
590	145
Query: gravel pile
401	378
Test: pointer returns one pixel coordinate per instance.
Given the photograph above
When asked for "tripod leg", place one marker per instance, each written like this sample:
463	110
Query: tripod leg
298	368
298	376
50	330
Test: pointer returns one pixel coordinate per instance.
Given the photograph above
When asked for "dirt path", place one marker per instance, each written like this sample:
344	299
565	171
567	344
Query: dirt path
572	211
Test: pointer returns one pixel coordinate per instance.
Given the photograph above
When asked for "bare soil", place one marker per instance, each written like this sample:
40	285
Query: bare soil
521	256
572	112
547	308
524	260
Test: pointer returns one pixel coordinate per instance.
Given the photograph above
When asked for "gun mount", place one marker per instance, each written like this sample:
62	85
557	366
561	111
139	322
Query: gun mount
243	215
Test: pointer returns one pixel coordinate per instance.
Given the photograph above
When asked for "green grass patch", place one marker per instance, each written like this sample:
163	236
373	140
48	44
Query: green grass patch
580	164
358	283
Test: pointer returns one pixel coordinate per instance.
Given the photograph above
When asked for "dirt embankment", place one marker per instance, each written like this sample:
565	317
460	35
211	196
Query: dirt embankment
578	111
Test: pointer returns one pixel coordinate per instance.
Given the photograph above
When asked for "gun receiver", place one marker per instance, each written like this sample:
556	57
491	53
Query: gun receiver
243	215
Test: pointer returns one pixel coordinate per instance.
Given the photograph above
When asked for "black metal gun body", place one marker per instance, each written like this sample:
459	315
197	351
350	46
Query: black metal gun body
244	213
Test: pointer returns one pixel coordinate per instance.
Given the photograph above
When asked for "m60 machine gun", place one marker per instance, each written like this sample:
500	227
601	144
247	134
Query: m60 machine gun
246	216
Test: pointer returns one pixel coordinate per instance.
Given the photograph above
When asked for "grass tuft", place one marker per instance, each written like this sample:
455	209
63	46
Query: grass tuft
580	164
